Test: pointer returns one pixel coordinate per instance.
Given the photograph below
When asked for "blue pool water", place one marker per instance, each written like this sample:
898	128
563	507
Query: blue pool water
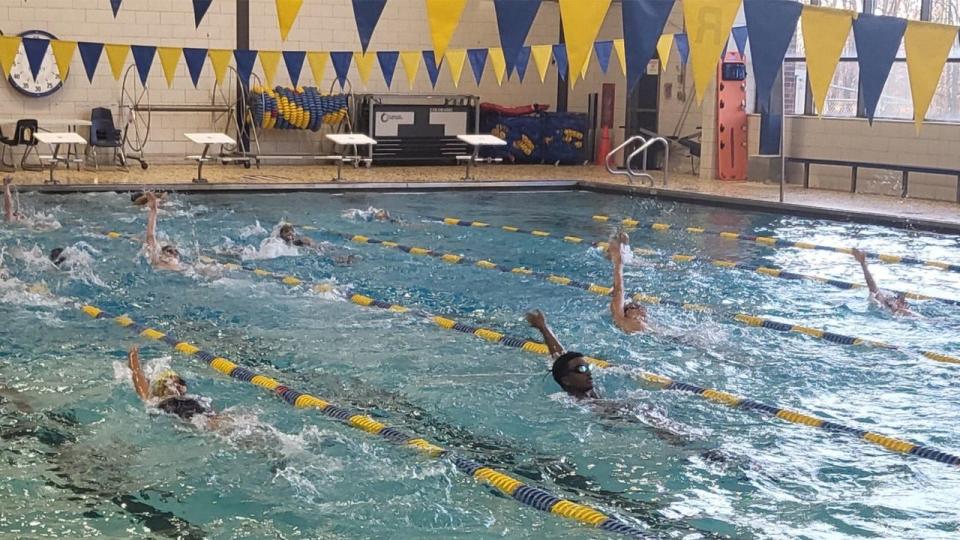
89	459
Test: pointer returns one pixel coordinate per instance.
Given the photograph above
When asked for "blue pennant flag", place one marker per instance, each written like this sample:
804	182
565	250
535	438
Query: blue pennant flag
367	14
433	67
740	38
341	65
200	8
90	54
878	38
388	64
643	22
523	60
560	57
603	49
115	6
294	62
143	58
771	25
478	61
194	59
683	46
245	59
36	50
514	19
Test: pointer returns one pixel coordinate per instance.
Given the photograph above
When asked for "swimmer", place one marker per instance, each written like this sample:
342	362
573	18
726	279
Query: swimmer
894	303
10	215
290	237
168	391
58	257
166	257
570	369
630	317
370	214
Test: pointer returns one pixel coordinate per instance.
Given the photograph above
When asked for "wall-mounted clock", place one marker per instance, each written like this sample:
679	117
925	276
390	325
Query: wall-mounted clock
48	79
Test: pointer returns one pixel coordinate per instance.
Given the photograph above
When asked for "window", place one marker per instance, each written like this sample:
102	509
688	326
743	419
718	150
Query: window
896	100
842	94
795	87
945	11
905	9
946	102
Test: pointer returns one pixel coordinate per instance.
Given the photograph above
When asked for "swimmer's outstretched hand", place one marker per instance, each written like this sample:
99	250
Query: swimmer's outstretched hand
536	318
860	256
133	358
7	180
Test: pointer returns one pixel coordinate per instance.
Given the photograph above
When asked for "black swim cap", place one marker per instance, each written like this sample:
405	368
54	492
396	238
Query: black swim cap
559	369
57	257
138	198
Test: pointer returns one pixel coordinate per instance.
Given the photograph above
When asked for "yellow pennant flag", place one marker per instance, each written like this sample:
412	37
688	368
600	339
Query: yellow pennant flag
9	47
268	63
411	65
541	56
581	23
117	54
63	54
318	65
928	45
664	45
444	17
499	63
621	55
169	58
287	11
365	63
825	33
708	25
220	59
455	60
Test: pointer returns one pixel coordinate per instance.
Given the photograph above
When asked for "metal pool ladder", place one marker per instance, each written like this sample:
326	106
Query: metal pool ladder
645	144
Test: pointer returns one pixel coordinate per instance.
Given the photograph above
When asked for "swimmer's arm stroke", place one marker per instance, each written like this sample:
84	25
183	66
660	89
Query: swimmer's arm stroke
616	296
7	200
538	320
151	238
139	380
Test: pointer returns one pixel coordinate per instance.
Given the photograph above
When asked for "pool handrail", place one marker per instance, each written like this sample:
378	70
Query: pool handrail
643	149
628	172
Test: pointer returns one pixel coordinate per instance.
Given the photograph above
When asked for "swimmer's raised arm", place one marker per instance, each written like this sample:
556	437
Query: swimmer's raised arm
538	320
139	380
8	214
861	258
151	239
617	296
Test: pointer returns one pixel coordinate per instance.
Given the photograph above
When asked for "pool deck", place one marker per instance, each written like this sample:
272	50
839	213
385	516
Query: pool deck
909	213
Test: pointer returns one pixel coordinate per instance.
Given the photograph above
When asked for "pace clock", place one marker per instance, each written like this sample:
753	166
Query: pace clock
47	80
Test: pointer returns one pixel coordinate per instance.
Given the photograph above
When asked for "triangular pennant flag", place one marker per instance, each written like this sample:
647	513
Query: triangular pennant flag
117	55
9	49
245	59
928	45
586	65
499	63
514	19
664	44
89	53
740	35
443	17
683	47
169	58
825	33
523	60
143	59
771	24
63	54
581	24
455	59
36	51
563	63
269	60
365	62
200	8
115	6
878	38
219	59
411	65
618	45
367	15
478	61
388	65
287	11
433	67
541	57
318	65
294	62
603	49
194	58
341	65
708	24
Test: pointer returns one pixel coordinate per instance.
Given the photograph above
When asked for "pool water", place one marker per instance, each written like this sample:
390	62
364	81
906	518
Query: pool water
82	455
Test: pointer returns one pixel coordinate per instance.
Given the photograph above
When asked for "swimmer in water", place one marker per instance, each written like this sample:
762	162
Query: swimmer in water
58	257
630	317
10	214
370	214
168	391
894	303
166	257
290	237
570	369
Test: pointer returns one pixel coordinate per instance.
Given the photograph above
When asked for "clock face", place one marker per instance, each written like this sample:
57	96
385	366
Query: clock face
48	79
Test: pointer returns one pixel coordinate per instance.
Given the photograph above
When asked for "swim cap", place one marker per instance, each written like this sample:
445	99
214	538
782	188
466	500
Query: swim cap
160	383
138	198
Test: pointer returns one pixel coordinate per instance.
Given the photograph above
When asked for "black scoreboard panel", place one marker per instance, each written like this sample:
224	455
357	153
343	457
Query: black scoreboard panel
417	133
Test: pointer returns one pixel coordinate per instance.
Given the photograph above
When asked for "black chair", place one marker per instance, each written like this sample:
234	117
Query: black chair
104	134
22	136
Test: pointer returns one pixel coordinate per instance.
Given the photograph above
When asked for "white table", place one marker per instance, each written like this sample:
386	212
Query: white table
70	123
477	141
348	139
55	139
206	139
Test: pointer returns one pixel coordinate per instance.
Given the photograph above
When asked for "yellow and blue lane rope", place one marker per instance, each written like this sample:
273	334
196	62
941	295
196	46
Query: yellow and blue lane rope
525	494
686	258
601	290
774	242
